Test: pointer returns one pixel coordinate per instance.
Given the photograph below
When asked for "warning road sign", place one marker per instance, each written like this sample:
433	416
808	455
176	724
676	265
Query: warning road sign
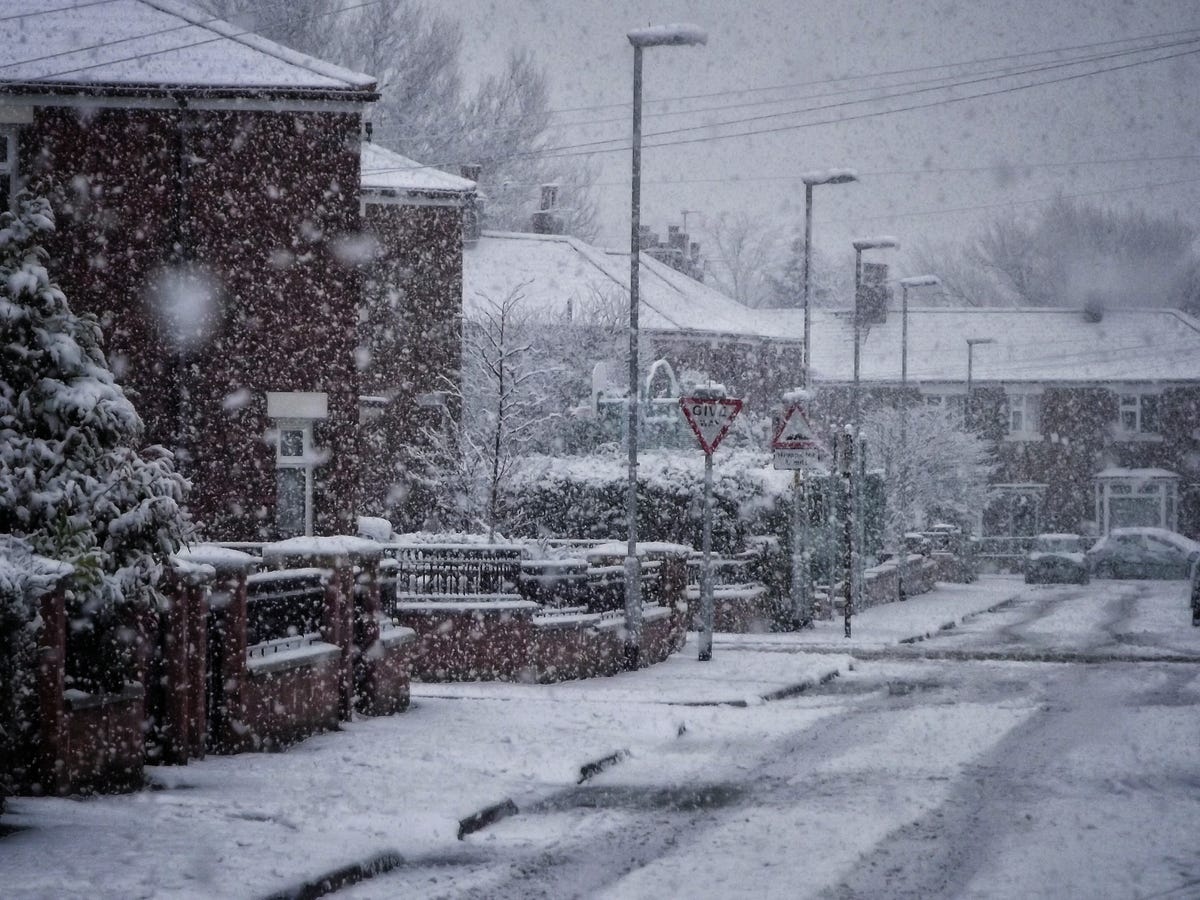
710	418
795	432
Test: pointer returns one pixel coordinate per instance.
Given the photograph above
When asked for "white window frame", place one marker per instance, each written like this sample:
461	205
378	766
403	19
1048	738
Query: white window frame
1132	400
950	397
1018	401
1164	492
305	462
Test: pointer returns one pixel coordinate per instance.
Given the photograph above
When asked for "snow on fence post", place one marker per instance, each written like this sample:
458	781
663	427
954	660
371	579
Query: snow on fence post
339	554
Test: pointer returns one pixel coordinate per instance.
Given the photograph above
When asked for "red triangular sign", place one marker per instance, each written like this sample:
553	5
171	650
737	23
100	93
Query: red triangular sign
795	432
710	418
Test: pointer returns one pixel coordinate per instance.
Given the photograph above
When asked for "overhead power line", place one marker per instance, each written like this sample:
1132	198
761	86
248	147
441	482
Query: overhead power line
883	73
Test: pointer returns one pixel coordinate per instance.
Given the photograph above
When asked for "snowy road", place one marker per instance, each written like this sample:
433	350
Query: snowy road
1047	749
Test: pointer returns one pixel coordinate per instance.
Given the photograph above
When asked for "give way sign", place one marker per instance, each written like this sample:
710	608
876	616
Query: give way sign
710	418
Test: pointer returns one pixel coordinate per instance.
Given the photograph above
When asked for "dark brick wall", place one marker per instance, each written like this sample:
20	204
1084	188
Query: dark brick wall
260	203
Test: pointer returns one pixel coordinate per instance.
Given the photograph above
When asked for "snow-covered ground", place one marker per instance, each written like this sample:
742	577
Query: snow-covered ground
721	793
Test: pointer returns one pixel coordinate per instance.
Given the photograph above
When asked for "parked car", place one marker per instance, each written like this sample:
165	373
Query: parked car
1057	559
1143	553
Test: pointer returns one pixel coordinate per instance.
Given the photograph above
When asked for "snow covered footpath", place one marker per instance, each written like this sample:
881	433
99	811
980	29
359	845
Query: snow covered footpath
252	824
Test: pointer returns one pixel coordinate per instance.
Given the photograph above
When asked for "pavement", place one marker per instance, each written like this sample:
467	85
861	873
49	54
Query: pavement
344	806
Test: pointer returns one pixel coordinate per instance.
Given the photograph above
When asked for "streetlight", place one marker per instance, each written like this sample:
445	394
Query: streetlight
654	36
914	281
860	246
830	176
801	589
971	344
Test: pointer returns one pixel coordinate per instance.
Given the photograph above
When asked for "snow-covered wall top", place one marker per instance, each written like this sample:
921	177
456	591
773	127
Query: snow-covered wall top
153	42
386	170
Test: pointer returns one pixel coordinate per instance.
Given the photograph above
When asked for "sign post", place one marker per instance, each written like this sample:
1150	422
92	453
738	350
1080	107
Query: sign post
795	447
710	414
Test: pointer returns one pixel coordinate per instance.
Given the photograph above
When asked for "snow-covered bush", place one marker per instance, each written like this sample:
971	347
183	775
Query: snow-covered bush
75	482
24	578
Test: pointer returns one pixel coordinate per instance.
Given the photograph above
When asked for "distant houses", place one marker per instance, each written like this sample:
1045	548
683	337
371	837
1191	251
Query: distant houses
1094	414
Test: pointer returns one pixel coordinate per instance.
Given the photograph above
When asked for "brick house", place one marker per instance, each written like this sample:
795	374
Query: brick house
1093	413
206	184
415	219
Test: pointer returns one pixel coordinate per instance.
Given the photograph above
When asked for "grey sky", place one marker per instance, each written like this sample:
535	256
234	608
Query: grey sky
1138	112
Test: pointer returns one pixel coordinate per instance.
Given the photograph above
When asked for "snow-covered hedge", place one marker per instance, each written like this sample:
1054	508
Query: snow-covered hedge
584	497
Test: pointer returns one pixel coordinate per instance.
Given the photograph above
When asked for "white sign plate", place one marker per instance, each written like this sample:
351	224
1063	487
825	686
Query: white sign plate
710	418
797	459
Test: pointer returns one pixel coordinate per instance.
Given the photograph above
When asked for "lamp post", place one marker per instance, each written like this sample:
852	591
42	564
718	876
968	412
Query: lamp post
971	344
801	570
860	245
641	38
914	281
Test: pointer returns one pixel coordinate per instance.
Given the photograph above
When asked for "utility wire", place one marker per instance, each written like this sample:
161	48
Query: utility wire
45	12
881	74
938	82
584	149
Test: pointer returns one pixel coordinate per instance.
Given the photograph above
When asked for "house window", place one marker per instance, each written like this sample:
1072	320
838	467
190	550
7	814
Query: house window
1024	416
294	463
8	165
1138	414
1136	497
952	404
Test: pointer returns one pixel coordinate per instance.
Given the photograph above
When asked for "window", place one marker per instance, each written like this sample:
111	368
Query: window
1024	416
1136	497
294	479
8	166
952	404
1138	414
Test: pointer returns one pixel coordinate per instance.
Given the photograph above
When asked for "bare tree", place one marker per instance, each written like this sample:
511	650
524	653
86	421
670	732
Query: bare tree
948	468
1073	254
505	406
747	248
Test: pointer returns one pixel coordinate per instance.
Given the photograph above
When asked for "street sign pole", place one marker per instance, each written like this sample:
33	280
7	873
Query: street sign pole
710	414
795	447
707	603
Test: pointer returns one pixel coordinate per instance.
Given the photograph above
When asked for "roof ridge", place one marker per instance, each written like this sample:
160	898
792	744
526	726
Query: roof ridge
197	17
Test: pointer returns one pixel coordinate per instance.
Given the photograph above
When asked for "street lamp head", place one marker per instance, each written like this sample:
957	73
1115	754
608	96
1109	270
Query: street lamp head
668	36
830	176
972	342
920	281
884	242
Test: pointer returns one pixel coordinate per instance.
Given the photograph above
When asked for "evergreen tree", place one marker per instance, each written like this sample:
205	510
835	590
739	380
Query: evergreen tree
75	482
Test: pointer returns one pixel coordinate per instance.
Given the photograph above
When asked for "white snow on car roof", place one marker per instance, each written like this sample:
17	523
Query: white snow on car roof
153	42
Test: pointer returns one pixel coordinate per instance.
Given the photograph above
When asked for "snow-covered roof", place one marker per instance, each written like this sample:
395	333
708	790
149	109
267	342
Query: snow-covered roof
152	44
386	171
1030	345
563	277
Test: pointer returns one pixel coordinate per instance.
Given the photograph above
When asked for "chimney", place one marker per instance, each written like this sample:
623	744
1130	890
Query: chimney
873	294
545	221
472	209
